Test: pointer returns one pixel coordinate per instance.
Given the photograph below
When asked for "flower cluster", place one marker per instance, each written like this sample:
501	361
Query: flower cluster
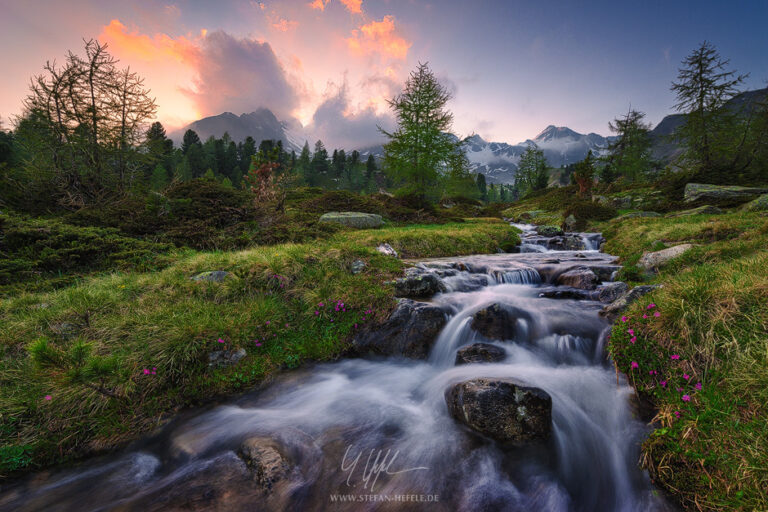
147	371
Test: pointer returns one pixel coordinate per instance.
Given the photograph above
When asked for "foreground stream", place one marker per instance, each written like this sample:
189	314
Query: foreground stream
376	434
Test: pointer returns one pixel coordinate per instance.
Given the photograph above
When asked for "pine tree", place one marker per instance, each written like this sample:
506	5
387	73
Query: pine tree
482	187
370	175
159	178
630	154
191	138
532	171
584	174
420	147
703	86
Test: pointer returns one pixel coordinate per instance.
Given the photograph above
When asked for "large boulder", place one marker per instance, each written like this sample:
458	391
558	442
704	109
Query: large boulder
701	210
758	205
410	331
718	193
222	358
578	277
617	306
654	260
611	291
502	409
495	322
354	219
386	250
480	353
419	286
549	230
263	458
213	276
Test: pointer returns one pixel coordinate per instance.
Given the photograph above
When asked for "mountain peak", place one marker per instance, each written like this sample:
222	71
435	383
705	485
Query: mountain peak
553	132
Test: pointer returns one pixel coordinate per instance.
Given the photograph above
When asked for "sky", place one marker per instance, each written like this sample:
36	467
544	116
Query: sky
512	67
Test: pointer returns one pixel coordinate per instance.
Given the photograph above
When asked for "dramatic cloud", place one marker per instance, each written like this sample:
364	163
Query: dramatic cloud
353	6
224	73
338	127
379	38
319	4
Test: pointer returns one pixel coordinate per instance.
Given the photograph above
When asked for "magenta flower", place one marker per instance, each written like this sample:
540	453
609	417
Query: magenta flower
317	312
624	319
686	398
677	414
146	371
355	326
633	339
267	322
657	314
686	376
698	386
675	356
663	383
651	305
634	364
257	344
48	397
220	340
320	305
631	331
645	316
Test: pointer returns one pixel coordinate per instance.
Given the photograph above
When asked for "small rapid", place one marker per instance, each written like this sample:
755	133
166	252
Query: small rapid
326	417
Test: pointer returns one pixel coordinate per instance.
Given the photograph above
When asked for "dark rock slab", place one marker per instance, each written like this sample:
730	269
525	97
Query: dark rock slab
480	353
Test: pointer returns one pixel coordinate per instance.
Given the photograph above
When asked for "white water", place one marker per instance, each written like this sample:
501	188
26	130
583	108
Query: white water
398	405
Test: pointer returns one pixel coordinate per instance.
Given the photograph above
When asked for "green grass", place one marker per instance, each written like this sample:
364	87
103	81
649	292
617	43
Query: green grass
713	315
87	345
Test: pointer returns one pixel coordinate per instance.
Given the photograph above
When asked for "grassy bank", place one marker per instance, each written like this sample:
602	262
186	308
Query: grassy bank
92	365
698	350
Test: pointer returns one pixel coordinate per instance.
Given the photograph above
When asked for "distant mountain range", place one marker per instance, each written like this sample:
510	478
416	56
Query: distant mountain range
496	160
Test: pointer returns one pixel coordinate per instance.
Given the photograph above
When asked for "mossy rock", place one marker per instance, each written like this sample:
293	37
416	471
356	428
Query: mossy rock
720	193
549	230
758	205
354	219
701	210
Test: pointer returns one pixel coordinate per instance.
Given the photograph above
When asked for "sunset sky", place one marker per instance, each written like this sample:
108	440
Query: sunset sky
513	67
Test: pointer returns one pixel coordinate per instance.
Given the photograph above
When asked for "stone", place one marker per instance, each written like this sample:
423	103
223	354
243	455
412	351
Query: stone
570	223
604	272
654	260
549	231
419	286
617	306
610	292
622	202
386	250
65	329
410	331
214	276
501	409
701	192
495	322
263	458
354	219
758	205
578	277
357	266
701	210
222	358
480	353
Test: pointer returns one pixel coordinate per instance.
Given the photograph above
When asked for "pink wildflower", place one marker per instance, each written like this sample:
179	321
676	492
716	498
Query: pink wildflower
146	371
631	331
675	356
48	397
633	339
257	344
686	398
698	386
686	376
677	414
634	364
645	316
651	305
320	305
220	340
663	383
624	319
657	314
317	312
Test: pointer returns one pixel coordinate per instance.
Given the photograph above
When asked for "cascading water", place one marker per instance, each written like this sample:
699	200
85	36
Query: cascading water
333	420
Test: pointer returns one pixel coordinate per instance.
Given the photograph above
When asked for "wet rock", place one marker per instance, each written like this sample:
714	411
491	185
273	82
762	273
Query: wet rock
480	353
610	292
263	458
213	276
627	298
654	260
578	277
357	266
410	331
495	322
354	219
716	193
758	205
387	250
502	409
701	210
549	230
419	286
604	272
573	243
222	358
570	223
565	292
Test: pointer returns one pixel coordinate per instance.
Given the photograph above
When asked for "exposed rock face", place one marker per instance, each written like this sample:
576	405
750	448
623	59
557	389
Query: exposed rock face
387	250
611	291
410	331
354	219
654	260
549	231
263	457
758	205
214	276
221	358
701	210
419	286
604	293
697	191
620	304
480	353
501	409
579	277
495	322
